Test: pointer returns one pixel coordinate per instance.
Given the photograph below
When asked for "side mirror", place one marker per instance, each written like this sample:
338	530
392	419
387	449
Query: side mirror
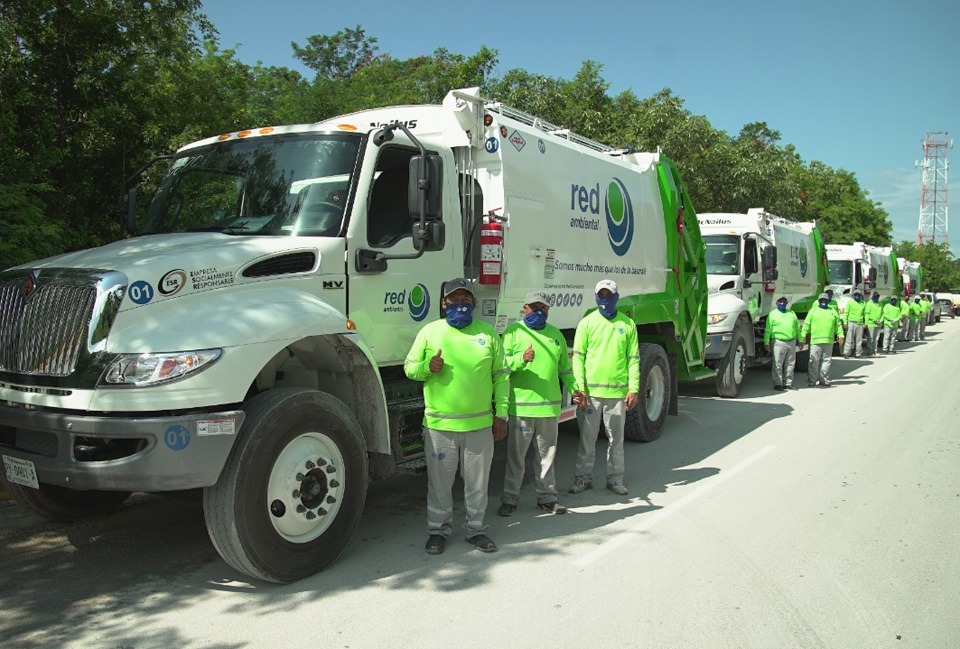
769	255
433	237
428	180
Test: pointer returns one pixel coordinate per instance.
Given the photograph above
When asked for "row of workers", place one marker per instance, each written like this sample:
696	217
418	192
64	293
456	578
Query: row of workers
465	365
875	323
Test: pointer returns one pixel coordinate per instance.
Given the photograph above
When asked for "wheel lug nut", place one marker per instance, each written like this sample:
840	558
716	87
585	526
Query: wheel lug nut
334	484
331	469
310	464
331	500
321	512
311	516
296	493
301	509
321	462
300	477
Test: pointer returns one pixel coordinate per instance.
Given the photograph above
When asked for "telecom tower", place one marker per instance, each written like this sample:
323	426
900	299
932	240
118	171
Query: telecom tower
933	195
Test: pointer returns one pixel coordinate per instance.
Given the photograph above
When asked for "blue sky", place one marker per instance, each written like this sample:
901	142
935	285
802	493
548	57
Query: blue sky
855	84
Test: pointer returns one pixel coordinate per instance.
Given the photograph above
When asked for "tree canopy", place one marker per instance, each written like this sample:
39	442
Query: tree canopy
90	91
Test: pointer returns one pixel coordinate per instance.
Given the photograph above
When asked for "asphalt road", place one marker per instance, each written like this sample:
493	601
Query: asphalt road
816	518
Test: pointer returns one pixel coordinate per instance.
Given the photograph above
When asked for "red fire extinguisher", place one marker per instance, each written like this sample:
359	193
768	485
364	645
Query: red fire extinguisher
491	251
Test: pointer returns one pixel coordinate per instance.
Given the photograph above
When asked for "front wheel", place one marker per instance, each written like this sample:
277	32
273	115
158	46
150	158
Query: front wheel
293	488
645	422
732	368
65	505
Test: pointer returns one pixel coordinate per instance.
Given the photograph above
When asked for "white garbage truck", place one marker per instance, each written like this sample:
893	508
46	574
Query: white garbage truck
753	259
249	340
859	266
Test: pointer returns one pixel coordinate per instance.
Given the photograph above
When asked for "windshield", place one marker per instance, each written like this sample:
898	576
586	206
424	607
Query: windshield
841	271
283	185
723	254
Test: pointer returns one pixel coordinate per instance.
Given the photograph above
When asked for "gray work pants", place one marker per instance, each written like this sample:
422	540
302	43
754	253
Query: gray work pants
613	414
784	358
913	329
854	341
472	453
873	336
819	365
923	327
889	339
523	430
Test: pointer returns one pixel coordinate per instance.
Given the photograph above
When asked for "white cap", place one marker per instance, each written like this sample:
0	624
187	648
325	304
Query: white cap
537	296
608	284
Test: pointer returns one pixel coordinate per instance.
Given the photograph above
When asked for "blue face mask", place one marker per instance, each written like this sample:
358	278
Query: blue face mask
536	319
782	307
893	301
857	298
875	298
459	315
823	304
608	305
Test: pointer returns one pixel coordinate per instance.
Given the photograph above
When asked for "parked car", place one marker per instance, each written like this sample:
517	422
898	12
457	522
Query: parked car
946	307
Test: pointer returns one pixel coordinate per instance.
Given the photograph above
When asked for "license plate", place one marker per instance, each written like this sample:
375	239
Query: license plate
20	472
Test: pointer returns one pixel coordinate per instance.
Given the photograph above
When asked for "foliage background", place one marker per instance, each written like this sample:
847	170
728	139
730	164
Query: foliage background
90	90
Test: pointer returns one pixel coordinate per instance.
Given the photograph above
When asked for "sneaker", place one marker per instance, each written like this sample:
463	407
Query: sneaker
483	543
436	544
617	488
553	508
792	387
778	388
579	486
506	509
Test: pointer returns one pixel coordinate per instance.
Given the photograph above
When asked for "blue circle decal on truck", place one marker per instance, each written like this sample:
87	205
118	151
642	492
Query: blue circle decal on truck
619	212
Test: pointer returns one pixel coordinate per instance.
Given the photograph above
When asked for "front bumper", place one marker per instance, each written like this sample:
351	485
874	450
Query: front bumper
120	453
717	345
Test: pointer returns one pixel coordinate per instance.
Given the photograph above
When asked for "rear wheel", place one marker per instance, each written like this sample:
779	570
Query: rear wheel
732	368
293	488
645	422
63	504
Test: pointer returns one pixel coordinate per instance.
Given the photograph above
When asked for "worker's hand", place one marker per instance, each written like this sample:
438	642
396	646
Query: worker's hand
436	363
528	354
499	429
631	400
580	398
840	340
767	348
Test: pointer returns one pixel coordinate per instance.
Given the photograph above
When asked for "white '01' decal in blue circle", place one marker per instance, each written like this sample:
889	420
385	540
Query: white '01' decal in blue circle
491	145
140	292
176	438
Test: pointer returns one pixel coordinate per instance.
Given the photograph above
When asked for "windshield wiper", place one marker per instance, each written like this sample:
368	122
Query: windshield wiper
233	228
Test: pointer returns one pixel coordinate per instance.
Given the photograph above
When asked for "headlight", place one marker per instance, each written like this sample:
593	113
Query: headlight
151	369
715	318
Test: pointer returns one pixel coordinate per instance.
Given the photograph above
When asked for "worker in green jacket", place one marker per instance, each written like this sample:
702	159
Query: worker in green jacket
780	337
904	318
873	320
916	311
925	306
854	317
536	354
892	321
460	361
822	325
832	303
606	370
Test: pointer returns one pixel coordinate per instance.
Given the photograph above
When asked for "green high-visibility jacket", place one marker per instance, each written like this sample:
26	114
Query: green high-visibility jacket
606	356
925	306
854	312
891	316
535	386
873	314
904	309
781	326
822	325
915	311
458	398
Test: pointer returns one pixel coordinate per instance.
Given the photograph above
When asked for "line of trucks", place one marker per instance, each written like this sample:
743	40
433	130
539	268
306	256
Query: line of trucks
248	340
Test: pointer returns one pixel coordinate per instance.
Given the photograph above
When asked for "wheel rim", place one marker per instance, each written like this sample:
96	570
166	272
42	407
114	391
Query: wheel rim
305	488
739	364
655	392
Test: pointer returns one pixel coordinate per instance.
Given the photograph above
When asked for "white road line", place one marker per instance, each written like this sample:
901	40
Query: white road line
886	374
649	521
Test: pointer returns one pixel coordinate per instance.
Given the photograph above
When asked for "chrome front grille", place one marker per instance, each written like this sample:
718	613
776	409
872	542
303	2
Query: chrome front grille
55	321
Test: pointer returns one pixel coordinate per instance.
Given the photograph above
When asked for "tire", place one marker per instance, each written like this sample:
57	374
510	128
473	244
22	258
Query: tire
63	504
292	491
732	368
645	422
802	360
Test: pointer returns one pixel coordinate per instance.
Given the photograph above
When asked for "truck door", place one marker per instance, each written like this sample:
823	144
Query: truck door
390	301
753	293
